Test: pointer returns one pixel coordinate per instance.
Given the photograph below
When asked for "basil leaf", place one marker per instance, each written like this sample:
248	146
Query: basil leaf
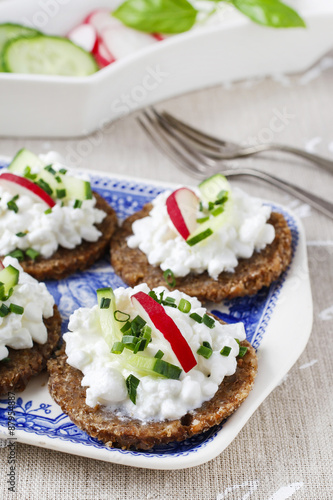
157	16
269	13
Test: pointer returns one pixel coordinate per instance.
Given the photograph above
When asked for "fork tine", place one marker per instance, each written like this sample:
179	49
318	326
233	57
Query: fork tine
197	136
167	148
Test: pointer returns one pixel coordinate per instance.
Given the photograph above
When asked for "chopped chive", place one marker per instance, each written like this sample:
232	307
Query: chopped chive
77	204
48	211
199	237
200	206
238	342
11	205
166	369
201	220
184	306
31	253
208	321
20	235
153	295
225	351
161	297
28	175
137	324
2	292
169	301
61	193
126	327
14	308
105	303
121	316
129	339
63	171
26	171
117	348
58	179
222	197
169	278
205	352
16	254
132	384
15	198
4	310
146	333
196	317
219	210
242	351
140	346
159	354
210	205
207	344
45	186
50	169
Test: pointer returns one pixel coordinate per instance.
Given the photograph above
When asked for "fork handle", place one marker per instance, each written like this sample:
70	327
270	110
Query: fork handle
321	205
319	160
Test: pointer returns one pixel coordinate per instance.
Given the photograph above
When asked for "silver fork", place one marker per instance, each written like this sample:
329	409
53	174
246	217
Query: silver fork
219	149
171	142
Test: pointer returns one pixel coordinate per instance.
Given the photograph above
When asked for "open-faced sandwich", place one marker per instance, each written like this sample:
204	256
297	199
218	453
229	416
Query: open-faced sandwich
144	367
50	220
30	326
214	242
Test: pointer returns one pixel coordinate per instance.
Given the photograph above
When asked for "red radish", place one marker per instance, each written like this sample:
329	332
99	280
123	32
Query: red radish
158	37
17	183
88	19
153	312
102	55
182	207
84	36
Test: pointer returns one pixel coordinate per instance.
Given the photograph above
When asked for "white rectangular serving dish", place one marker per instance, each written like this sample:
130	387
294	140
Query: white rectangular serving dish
234	49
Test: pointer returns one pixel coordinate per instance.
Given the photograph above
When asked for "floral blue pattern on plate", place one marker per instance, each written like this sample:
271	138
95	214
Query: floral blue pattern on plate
42	417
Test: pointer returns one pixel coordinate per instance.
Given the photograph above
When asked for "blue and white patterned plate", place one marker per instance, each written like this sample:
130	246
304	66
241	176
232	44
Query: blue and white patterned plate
278	323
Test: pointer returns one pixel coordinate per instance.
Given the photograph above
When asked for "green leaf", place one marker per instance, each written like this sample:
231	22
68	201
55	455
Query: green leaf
157	16
270	13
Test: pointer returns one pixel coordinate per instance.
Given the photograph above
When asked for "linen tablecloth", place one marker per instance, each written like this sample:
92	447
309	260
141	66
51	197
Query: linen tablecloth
285	450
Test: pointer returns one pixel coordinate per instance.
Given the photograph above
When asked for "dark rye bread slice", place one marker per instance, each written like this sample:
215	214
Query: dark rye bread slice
128	433
25	363
248	278
64	261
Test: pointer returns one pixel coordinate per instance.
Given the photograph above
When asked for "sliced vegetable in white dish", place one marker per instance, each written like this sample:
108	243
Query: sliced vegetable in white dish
8	31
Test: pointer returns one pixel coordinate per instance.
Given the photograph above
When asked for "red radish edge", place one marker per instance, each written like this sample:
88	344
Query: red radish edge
168	328
175	212
1	266
30	186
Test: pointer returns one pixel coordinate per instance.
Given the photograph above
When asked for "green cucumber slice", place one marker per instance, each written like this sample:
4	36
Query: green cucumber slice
109	326
154	367
8	279
212	186
76	189
8	31
47	55
24	158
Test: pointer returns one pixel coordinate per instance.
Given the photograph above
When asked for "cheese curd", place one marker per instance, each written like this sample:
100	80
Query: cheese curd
157	398
64	226
243	232
19	331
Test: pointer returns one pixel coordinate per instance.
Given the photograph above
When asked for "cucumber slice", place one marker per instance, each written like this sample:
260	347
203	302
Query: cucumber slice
24	158
8	31
107	306
210	190
211	187
8	279
47	55
76	189
154	367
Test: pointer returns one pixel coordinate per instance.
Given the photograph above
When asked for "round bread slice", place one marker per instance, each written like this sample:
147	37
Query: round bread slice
128	433
65	261
23	364
248	278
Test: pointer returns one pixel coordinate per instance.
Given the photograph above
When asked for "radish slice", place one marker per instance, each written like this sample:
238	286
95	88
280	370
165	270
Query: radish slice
182	208
20	184
153	312
84	36
89	18
102	55
158	37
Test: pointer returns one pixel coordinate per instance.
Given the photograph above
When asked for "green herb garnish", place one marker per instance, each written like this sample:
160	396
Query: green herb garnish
169	278
132	384
225	351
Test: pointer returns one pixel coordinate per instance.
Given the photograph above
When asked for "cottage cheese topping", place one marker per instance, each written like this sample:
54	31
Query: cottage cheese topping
157	398
64	226
19	331
243	233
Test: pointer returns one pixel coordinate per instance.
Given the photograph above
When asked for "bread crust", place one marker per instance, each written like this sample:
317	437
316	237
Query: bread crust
128	433
65	261
24	364
249	276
